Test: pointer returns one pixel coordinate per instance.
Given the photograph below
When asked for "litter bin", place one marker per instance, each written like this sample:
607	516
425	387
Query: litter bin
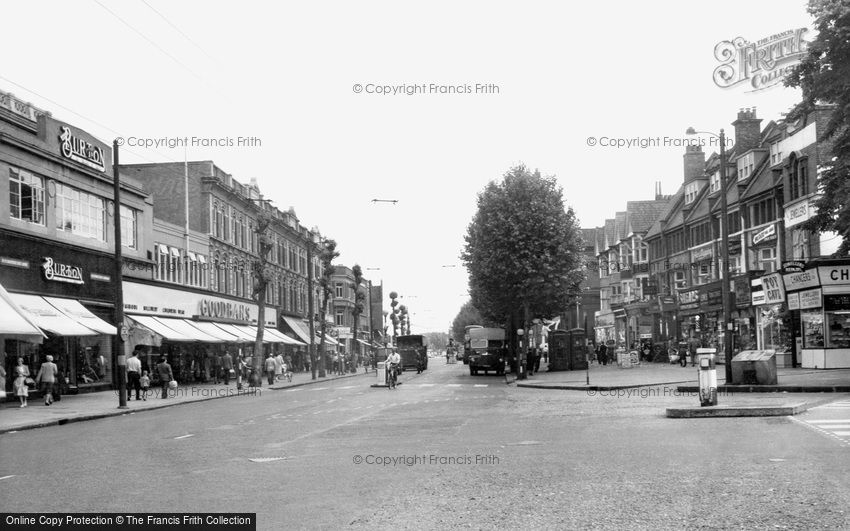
381	375
754	367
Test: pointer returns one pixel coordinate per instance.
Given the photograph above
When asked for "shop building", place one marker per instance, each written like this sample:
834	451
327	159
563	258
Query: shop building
57	245
343	304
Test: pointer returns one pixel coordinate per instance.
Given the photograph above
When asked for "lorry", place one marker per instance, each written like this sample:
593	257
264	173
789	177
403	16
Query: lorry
411	348
487	350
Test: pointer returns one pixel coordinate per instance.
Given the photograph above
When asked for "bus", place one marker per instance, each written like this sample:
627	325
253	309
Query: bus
487	350
466	348
410	348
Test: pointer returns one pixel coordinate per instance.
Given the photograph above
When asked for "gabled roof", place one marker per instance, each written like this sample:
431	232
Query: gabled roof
610	234
762	180
588	237
620	227
641	214
673	205
700	206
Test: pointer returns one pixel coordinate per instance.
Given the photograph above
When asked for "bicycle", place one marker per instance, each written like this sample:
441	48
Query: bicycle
392	377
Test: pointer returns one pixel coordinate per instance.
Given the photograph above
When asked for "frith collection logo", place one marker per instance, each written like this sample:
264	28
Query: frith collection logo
62	272
81	151
762	64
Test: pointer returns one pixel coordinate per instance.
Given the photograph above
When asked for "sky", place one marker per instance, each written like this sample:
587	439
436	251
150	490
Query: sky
303	84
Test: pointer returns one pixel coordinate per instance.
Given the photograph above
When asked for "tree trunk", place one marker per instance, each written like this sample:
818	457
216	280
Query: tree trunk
256	378
355	346
320	356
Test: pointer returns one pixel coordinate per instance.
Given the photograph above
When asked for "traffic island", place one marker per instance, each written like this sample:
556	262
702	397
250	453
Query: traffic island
697	412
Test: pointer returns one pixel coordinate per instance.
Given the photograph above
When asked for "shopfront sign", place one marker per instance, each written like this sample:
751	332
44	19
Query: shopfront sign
793	301
704	253
61	272
756	292
220	309
836	303
812	298
689	299
802	280
765	235
343	332
793	266
147	299
799	212
834	275
79	150
773	288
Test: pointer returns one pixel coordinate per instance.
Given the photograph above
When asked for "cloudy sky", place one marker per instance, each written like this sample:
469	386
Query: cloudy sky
303	78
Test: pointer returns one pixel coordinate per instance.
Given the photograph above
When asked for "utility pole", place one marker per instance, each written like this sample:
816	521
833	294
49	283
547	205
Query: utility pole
118	345
311	307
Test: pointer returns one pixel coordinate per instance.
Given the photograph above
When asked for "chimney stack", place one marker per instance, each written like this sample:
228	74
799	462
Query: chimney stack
694	163
747	130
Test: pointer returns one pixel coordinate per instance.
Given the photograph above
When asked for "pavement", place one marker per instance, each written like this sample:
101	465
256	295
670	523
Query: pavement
90	406
808	386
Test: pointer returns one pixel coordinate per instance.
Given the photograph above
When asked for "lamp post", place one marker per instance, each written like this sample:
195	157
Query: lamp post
724	256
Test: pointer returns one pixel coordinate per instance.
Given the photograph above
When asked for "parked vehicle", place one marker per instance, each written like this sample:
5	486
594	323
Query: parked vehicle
466	349
487	350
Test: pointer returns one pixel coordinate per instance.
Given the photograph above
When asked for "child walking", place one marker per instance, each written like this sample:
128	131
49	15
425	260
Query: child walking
145	382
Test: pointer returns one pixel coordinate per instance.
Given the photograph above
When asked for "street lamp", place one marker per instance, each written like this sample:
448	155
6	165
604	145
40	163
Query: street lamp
724	255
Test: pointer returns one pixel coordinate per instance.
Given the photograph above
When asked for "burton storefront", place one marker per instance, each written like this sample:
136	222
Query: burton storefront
67	292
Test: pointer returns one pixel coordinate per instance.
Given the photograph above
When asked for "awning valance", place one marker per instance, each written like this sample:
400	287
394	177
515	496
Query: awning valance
185	328
285	339
50	318
211	329
298	328
244	336
82	315
14	323
152	324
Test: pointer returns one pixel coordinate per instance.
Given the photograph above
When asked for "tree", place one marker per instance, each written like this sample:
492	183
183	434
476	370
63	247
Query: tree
437	340
403	316
522	249
327	255
394	315
357	311
263	274
824	76
468	315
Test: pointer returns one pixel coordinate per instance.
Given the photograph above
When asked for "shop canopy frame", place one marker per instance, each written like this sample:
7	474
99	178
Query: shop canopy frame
49	318
15	323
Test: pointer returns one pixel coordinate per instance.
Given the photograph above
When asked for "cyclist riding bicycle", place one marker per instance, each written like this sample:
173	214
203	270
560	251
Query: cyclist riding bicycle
393	361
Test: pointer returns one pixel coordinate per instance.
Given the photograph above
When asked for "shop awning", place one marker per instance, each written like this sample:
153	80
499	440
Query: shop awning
298	327
328	339
152	324
186	328
49	318
15	323
285	339
244	336
82	315
212	330
366	343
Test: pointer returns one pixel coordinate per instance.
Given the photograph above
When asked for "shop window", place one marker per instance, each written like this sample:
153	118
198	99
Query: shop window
812	329
80	213
26	196
838	329
774	332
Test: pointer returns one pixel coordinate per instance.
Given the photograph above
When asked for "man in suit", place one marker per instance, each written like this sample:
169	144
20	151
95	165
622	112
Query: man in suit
163	369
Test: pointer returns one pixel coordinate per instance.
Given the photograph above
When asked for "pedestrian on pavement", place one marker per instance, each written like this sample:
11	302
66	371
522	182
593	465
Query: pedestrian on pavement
2	384
134	373
537	359
278	367
163	369
602	354
270	368
226	367
46	377
145	383
19	386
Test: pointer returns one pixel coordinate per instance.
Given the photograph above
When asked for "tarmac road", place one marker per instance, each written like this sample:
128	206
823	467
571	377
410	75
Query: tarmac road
444	450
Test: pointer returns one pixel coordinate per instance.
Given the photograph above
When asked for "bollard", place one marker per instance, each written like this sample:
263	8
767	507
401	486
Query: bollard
707	378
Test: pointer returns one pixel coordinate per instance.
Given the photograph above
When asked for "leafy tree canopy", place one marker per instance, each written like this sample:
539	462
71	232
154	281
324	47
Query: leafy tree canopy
523	248
824	76
468	315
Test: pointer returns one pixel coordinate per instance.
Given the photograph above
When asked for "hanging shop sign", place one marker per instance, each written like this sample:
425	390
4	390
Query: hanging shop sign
764	235
793	266
80	150
61	272
756	292
774	289
689	299
801	280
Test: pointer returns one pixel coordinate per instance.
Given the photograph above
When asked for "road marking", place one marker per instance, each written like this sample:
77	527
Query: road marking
293	390
347	387
453	385
185	436
427	385
842	433
481	385
7	477
831	421
319	388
